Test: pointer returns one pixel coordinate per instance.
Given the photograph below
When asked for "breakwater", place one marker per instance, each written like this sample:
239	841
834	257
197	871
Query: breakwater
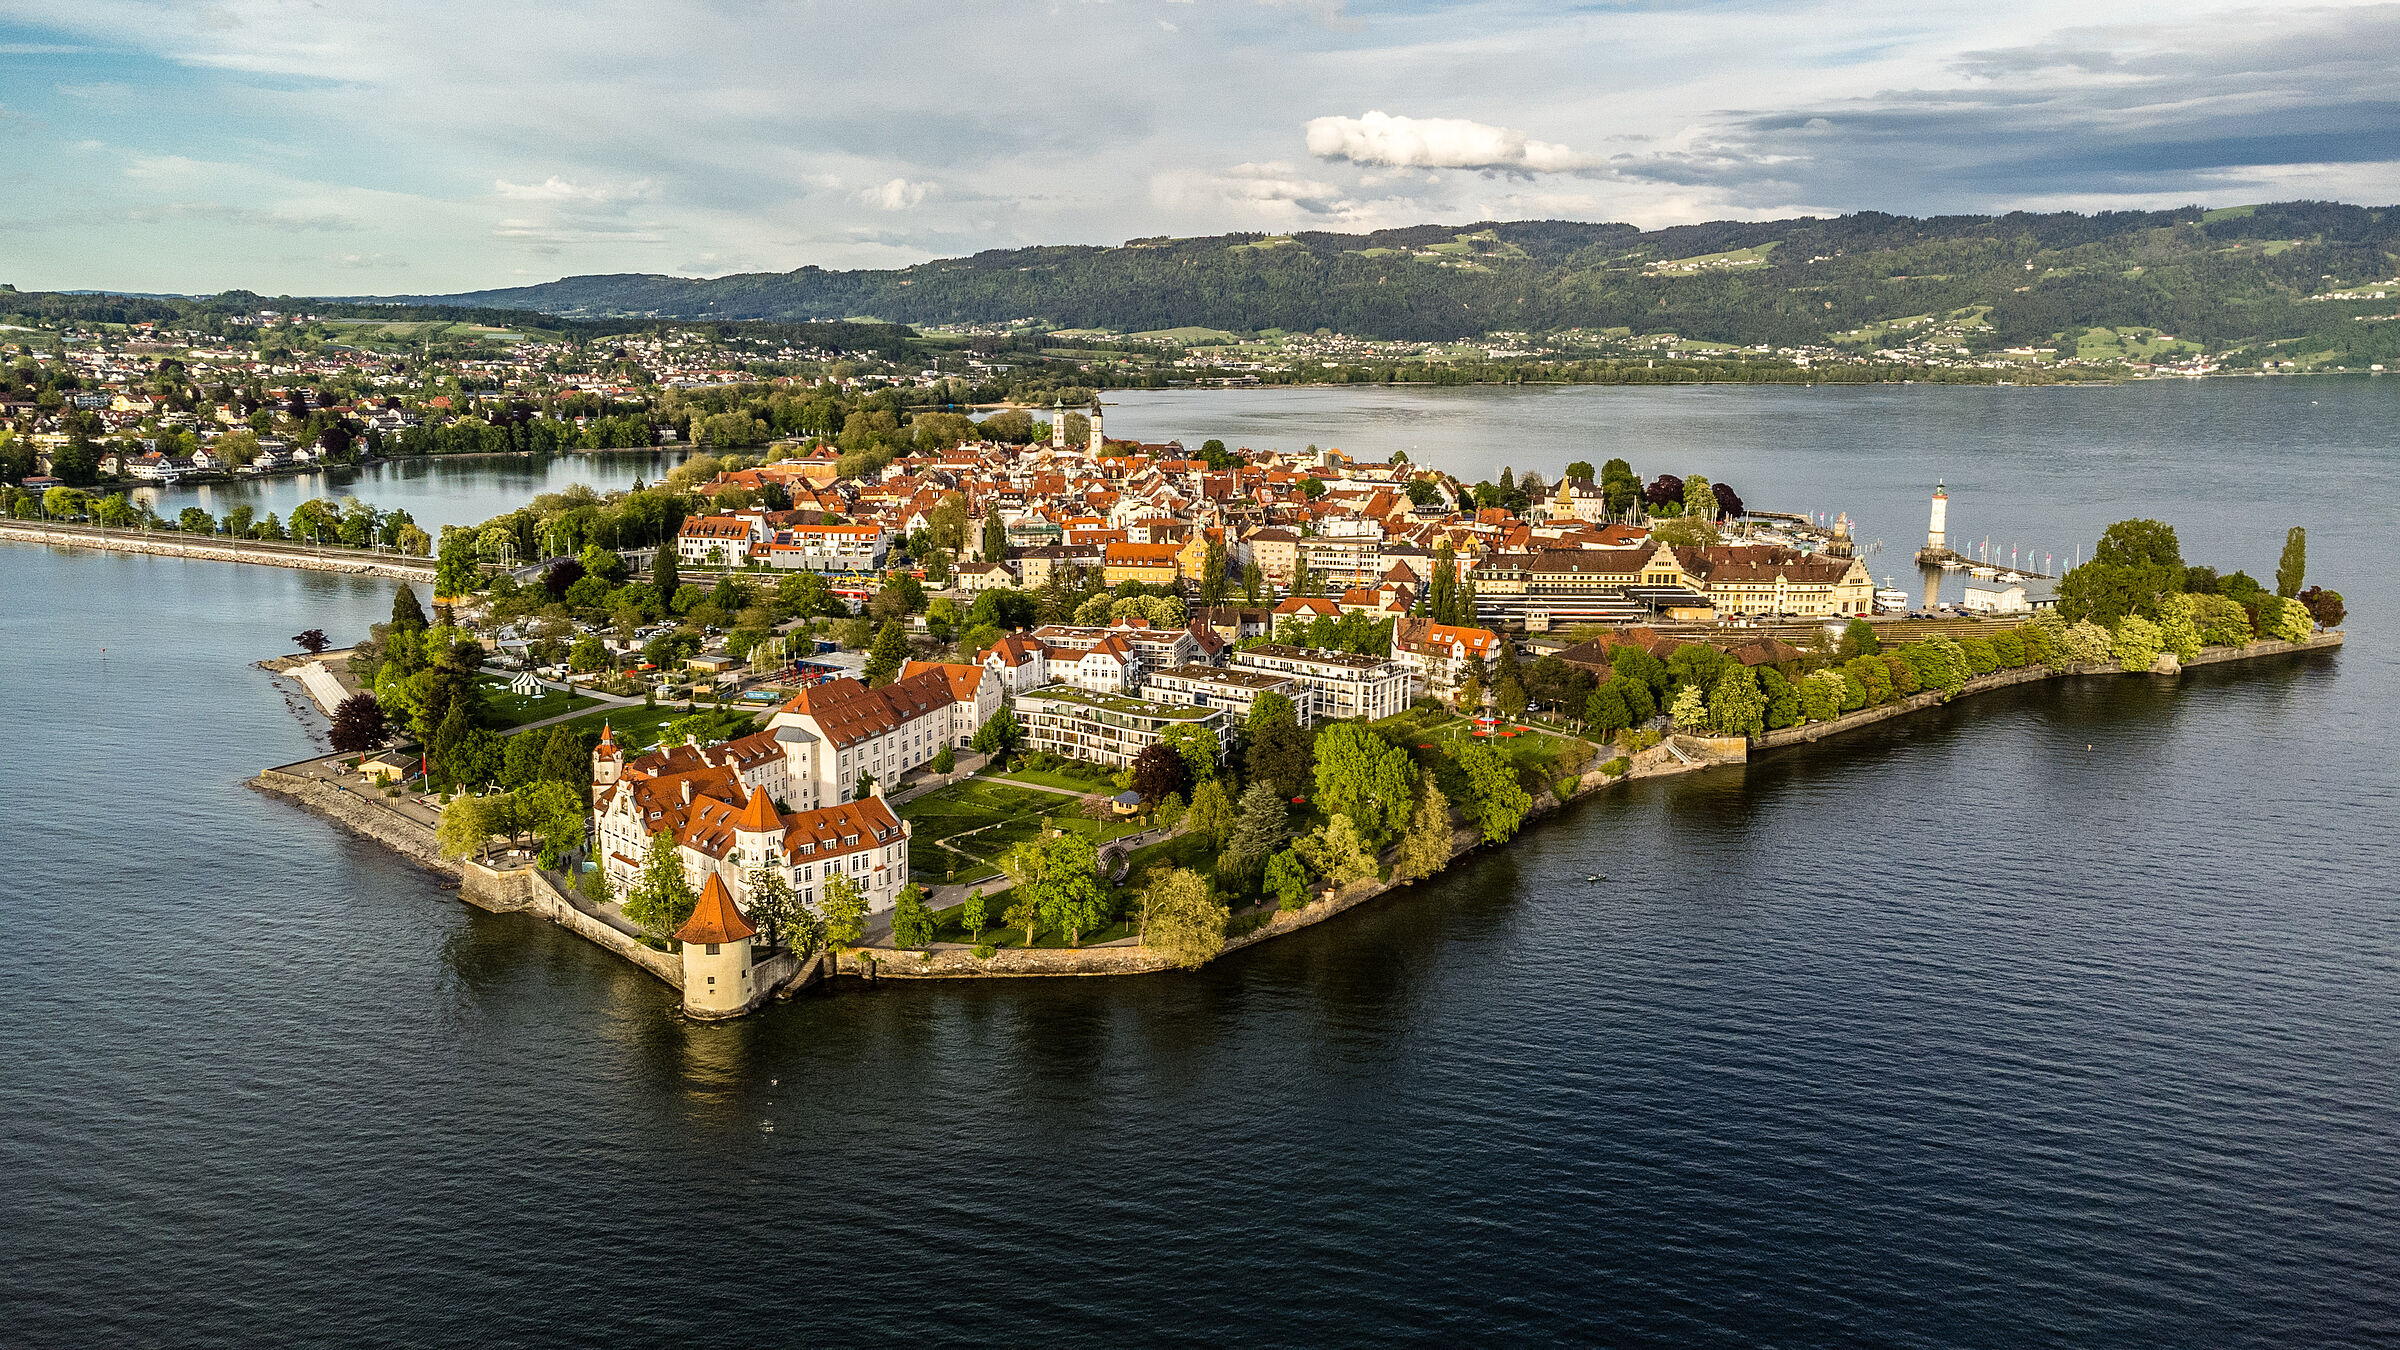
211	548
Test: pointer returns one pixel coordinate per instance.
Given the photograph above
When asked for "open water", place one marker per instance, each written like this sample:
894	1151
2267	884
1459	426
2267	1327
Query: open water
2065	1016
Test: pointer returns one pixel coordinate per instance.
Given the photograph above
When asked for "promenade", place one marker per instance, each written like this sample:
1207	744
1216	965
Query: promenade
220	548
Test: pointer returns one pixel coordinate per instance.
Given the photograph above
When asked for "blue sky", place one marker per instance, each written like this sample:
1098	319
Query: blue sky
426	147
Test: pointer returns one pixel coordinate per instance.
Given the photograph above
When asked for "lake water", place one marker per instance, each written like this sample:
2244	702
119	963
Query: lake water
2067	1015
461	490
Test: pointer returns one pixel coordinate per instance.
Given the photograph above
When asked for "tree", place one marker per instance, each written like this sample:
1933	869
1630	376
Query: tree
1056	874
912	922
1257	833
1197	746
2290	620
1212	814
1508	696
1620	485
1690	710
1025	914
772	905
2135	563
1158	773
1604	712
1254	582
1737	708
995	547
1365	777
2324	606
2292	571
944	759
1500	802
971	916
1858	639
555	815
844	906
1286	880
661	896
1182	920
1000	737
314	641
1335	852
1699	499
889	654
466	824
455	571
2137	643
1580	471
1425	849
359	724
407	615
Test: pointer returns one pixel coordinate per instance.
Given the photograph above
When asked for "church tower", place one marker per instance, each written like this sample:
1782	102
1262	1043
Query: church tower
1938	537
1098	444
608	761
1058	425
716	955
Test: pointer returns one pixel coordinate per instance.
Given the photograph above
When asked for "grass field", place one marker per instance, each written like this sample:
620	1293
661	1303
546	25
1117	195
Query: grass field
961	831
1713	262
1053	778
431	330
1539	757
515	710
644	728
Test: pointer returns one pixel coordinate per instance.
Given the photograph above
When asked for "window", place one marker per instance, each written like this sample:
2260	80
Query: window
712	951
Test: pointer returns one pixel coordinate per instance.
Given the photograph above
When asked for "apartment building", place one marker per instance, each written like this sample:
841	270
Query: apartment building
1345	684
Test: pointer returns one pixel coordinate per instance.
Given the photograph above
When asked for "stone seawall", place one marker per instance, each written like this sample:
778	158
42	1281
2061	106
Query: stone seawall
525	890
210	549
360	815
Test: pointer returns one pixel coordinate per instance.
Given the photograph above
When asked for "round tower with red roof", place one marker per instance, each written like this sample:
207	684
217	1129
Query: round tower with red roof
717	981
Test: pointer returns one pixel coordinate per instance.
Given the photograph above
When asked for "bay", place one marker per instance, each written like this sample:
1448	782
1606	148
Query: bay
2067	1014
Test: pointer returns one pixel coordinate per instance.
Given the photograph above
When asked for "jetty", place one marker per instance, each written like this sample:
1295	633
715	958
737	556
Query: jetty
220	548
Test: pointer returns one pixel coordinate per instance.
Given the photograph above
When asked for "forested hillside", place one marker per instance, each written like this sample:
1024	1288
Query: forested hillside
2220	278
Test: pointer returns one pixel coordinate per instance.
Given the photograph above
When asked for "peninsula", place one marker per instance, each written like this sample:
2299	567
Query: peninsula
1057	703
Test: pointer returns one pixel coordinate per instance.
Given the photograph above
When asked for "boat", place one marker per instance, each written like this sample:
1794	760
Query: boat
1892	597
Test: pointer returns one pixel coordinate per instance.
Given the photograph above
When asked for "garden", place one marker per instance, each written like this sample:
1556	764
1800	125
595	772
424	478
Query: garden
961	831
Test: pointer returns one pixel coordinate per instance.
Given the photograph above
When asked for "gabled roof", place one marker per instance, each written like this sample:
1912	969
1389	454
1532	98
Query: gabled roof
715	919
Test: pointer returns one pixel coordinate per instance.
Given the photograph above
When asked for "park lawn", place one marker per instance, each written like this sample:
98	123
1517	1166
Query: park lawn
1535	754
645	728
947	929
1056	779
984	818
515	710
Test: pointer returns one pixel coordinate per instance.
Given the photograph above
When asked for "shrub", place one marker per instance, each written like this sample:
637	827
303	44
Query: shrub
1981	659
1617	768
984	952
2087	643
2286	619
2045	639
2222	622
2008	649
2137	643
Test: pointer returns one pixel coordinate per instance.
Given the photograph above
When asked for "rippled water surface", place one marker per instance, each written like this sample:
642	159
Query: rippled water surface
2067	1015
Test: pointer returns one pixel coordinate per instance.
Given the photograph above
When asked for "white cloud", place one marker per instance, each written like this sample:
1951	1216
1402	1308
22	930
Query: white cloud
897	195
560	190
1380	138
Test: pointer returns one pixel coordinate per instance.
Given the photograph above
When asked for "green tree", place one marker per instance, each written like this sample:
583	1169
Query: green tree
1690	709
844	906
912	922
1182	920
1699	499
1735	706
1024	913
455	572
1286	880
2137	643
1335	852
1367	778
407	615
1500	803
971	916
771	906
1212	814
2292	572
1057	874
1197	745
890	653
1257	833
944	759
1605	713
1425	849
2135	564
466	825
1858	639
661	896
995	548
555	815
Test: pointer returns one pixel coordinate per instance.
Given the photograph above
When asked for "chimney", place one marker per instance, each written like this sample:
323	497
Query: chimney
687	791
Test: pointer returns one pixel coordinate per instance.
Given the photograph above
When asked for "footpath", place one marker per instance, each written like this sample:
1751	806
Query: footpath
217	548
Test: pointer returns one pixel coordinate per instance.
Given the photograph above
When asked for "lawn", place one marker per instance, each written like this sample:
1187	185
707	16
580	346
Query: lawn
515	710
1055	778
982	819
1540	757
645	728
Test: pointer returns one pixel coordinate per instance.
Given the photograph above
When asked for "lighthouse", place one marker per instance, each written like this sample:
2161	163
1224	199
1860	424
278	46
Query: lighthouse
1937	537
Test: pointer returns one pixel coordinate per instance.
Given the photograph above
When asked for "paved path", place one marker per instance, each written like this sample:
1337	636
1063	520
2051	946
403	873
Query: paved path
321	686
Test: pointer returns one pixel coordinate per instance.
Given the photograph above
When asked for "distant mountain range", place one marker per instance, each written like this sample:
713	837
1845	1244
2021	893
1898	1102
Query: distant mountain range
2235	275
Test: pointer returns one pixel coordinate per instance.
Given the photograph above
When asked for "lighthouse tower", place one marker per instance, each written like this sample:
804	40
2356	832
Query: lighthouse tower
716	955
1938	537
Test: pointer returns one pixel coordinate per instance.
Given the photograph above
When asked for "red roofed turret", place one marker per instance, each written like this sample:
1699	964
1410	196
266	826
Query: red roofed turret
715	919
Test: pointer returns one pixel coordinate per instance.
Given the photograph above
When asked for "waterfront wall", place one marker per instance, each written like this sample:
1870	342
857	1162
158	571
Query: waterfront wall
359	814
212	549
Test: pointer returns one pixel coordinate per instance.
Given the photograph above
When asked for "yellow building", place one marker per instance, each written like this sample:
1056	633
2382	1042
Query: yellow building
1149	564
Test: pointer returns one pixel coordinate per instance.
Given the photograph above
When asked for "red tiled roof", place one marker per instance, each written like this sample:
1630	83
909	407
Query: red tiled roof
715	919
